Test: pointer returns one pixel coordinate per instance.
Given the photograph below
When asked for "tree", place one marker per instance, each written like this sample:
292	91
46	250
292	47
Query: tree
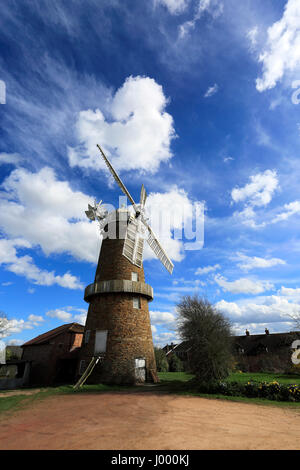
209	335
162	364
175	364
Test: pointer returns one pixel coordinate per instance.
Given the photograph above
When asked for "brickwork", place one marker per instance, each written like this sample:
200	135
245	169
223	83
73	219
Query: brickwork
45	356
129	330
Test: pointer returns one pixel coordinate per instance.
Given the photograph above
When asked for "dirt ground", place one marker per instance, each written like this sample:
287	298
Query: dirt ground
145	421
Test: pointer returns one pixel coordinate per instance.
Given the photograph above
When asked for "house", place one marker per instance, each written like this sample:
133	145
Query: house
267	351
54	355
252	353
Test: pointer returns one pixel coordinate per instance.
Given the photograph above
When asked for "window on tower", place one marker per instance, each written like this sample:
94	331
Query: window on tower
136	302
134	277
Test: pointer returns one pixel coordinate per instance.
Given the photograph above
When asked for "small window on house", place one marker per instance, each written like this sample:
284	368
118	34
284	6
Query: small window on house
81	367
60	345
136	302
134	277
87	336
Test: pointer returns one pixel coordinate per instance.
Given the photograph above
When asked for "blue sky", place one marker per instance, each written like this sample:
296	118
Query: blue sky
198	100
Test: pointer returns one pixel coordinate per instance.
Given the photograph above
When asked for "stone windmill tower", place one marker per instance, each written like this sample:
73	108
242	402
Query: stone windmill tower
117	345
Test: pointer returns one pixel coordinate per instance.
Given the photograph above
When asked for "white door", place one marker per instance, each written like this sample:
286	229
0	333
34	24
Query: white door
140	370
100	342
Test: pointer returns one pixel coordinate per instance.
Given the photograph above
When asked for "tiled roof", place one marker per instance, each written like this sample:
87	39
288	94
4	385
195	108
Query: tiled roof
45	337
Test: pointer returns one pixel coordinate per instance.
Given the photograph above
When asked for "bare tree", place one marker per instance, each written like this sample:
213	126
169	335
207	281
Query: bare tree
208	333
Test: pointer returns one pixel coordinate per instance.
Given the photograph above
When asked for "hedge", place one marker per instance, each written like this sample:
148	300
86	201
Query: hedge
271	390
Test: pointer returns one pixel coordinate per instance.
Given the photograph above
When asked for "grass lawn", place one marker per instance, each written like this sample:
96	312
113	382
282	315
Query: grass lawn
235	377
170	382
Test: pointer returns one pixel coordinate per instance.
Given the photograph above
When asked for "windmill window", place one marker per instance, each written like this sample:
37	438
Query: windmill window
87	336
134	277
136	302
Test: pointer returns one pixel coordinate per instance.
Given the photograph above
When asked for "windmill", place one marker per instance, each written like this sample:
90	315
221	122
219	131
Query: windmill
117	345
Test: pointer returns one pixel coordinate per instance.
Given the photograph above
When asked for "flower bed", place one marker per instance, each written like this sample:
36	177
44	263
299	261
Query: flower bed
270	391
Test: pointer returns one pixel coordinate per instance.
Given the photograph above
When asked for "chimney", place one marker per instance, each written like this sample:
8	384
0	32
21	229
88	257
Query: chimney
267	331
247	333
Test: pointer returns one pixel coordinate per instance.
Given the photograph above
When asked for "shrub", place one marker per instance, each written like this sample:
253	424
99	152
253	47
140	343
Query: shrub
162	364
175	364
209	335
271	391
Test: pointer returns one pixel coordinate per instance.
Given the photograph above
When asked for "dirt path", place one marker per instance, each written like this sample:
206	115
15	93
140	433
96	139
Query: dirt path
148	421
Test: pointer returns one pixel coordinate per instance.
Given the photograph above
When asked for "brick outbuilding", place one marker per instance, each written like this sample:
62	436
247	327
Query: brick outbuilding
54	355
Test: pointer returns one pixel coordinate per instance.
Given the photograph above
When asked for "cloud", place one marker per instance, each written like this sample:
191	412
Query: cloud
11	158
213	7
35	318
211	91
46	212
227	159
274	309
252	36
293	208
60	314
248	263
12	326
175	7
162	318
24	266
207	269
243	285
259	191
171	218
136	134
282	53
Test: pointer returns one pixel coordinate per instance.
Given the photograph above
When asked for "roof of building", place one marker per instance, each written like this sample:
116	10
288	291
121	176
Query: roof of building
45	337
274	340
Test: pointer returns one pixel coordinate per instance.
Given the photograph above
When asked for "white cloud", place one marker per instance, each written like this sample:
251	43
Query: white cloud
211	91
259	191
170	216
293	208
136	135
47	212
24	266
162	318
274	309
213	7
228	159
282	53
243	285
207	269
35	318
175	7
11	158
60	314
252	36
255	262
12	326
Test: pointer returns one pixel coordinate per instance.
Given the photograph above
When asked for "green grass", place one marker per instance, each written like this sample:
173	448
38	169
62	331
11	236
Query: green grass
263	377
170	382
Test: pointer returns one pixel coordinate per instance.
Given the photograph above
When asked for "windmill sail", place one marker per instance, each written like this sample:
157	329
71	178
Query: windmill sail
158	250
134	243
143	196
116	177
